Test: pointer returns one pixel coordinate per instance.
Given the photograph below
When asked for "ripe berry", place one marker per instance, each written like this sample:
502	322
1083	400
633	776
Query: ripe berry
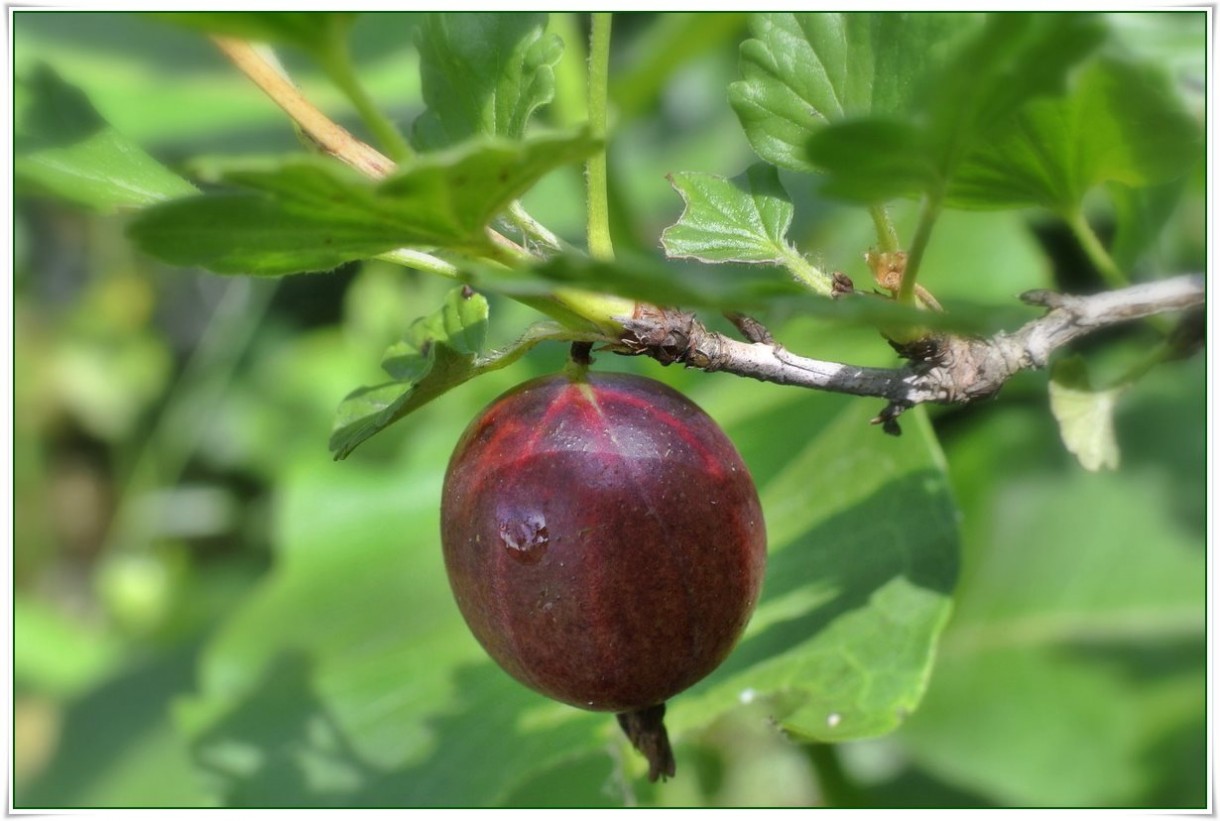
604	542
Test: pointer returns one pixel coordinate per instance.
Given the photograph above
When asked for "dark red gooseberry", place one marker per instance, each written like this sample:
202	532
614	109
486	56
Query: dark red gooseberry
604	541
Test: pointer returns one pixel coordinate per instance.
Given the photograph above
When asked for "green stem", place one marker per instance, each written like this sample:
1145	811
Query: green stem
887	234
337	63
1097	253
600	245
919	243
809	275
420	261
533	229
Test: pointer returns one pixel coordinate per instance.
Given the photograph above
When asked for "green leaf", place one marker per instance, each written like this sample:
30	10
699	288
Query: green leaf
1122	123
1078	649
986	77
873	160
312	216
311	31
841	648
63	146
438	353
1085	415
483	73
1140	216
802	71
741	220
460	325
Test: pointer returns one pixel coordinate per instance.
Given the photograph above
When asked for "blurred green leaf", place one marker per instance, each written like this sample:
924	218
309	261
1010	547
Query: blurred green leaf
56	654
1076	649
873	160
118	747
351	680
1140	217
741	220
1085	415
986	77
315	216
311	31
483	73
666	46
1121	123
802	71
63	146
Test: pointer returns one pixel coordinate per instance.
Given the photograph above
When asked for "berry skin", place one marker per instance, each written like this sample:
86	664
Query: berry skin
604	541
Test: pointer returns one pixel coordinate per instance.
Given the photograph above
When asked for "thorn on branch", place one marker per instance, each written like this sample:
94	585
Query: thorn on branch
888	418
1043	298
750	328
841	285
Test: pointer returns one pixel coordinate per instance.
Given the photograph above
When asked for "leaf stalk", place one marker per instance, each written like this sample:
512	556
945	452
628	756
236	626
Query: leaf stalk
598	211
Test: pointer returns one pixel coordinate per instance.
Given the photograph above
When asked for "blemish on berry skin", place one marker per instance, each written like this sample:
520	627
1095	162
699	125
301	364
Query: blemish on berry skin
525	537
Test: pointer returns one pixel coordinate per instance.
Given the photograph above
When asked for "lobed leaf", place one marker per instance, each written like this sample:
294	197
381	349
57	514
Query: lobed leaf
802	71
483	73
741	220
312	216
438	353
63	146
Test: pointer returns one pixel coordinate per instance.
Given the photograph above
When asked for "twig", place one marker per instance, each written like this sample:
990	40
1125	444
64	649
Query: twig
332	138
944	370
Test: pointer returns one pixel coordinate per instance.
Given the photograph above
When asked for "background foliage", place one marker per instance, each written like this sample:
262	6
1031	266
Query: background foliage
209	611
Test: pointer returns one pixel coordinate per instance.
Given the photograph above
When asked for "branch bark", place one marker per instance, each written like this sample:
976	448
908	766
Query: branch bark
942	369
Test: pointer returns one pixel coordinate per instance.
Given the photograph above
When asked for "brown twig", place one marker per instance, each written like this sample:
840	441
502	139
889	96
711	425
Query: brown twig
943	369
325	132
330	137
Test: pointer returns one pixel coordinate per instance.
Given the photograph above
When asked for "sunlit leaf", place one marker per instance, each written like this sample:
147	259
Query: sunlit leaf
483	73
740	220
802	71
